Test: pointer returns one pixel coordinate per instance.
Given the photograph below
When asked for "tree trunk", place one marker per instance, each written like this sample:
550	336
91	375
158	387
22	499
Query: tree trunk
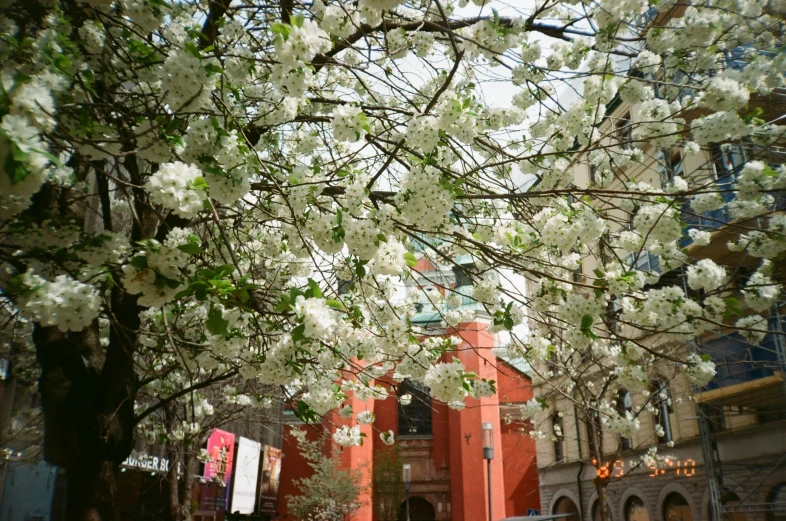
87	398
601	483
90	491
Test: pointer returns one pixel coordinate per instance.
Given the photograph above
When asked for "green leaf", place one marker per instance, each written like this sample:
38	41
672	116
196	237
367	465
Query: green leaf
215	322
335	304
192	49
223	270
410	259
298	333
199	183
190	248
283	30
314	288
139	262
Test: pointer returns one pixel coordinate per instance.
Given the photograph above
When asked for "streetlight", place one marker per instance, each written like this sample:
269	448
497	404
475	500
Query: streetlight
406	471
405	399
488	454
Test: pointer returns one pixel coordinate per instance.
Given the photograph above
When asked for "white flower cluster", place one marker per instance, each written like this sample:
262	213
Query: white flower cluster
302	44
366	417
706	275
173	187
318	318
446	382
753	328
66	303
486	290
387	437
707	202
423	133
422	200
349	123
700	371
347	436
761	292
530	409
626	425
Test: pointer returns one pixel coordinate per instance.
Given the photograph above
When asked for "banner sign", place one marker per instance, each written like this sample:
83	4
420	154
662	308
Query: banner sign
269	482
221	448
146	462
244	484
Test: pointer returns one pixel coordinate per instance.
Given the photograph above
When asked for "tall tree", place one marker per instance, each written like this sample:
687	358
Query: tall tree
196	180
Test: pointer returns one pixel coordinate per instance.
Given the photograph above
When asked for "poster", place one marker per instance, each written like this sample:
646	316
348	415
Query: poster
221	448
244	484
269	481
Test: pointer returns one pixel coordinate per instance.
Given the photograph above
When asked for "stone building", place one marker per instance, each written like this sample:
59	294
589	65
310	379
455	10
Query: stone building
726	443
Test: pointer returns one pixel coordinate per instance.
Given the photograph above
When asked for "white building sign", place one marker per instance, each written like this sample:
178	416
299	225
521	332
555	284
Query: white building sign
244	486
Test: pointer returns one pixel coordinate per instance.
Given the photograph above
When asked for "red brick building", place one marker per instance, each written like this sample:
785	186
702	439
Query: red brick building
444	446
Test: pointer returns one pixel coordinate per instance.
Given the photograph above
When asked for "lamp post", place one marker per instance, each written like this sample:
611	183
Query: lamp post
406	475
488	455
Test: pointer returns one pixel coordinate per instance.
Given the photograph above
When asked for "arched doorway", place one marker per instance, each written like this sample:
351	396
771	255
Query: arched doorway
565	505
635	510
676	508
419	510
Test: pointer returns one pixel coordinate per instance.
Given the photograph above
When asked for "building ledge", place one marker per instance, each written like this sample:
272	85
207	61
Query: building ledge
754	393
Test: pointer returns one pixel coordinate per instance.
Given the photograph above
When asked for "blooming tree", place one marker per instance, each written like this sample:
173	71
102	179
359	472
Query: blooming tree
330	493
198	192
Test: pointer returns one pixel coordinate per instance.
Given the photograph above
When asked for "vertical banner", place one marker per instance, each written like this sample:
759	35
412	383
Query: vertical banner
221	448
244	484
269	481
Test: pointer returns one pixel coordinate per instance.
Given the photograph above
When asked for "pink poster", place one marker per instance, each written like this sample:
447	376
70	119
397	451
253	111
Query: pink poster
221	448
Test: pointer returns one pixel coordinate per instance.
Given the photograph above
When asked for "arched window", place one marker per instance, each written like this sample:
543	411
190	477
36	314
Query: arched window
559	438
624	405
414	417
565	505
777	497
635	510
676	508
663	408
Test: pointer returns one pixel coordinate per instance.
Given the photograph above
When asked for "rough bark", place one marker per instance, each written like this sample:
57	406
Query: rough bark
88	417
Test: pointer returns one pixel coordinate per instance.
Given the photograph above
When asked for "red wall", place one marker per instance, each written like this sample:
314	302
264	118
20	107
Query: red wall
518	448
457	441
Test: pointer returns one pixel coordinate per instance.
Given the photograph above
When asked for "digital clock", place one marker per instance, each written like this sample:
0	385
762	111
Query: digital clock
674	467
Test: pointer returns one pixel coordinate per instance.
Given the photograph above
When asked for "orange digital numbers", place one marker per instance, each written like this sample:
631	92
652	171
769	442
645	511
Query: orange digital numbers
619	469
681	468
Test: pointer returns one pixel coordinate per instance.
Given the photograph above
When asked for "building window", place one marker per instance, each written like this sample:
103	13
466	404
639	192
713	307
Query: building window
676	508
663	409
595	435
635	510
414	419
565	505
624	131
624	407
559	438
777	498
670	165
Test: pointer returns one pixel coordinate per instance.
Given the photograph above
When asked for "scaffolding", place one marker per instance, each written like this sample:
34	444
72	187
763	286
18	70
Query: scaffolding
749	384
